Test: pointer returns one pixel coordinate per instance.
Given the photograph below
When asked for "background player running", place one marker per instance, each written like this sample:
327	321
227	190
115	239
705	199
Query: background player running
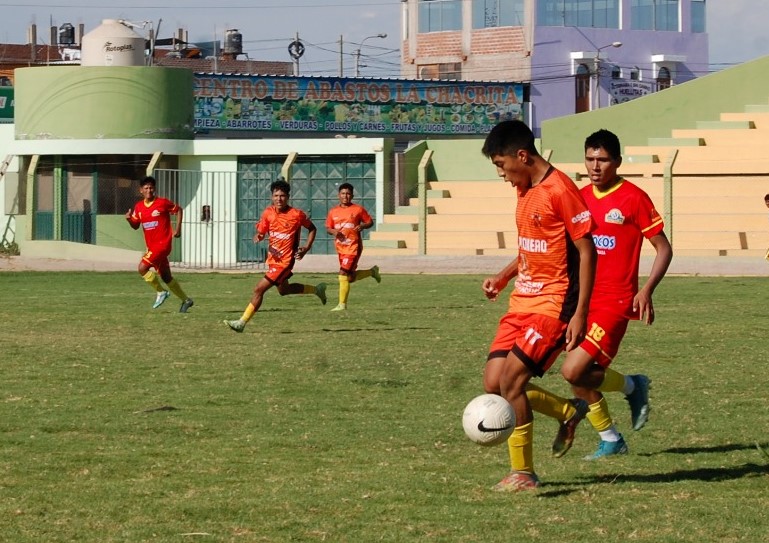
153	214
283	224
345	222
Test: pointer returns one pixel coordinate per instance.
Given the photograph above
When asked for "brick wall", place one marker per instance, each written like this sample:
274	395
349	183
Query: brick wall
497	40
439	44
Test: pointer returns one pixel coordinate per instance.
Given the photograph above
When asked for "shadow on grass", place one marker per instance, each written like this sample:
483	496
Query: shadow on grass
375	329
712	449
698	474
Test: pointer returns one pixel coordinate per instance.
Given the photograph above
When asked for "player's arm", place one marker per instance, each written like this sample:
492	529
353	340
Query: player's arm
577	327
312	231
330	226
179	216
261	228
363	225
133	221
642	303
492	286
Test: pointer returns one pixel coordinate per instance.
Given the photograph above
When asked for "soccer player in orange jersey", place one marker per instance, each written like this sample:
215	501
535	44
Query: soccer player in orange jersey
554	277
283	224
625	217
345	222
153	214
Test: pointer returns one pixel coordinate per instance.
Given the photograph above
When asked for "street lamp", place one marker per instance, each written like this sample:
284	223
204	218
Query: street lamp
357	52
596	74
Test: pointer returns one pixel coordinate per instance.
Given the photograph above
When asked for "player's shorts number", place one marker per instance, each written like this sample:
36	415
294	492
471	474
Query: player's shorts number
596	332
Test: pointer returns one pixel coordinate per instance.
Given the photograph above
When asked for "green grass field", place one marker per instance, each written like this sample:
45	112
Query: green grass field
123	424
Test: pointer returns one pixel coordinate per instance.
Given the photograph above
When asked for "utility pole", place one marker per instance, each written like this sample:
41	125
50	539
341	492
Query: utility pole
341	56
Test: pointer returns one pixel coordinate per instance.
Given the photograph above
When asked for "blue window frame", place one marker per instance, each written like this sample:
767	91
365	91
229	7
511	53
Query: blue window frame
580	13
698	16
440	15
654	15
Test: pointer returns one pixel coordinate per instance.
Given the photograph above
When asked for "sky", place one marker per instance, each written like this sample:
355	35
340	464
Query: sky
736	28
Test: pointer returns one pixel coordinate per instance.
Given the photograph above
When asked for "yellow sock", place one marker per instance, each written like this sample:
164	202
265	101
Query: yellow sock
152	278
308	289
174	287
344	289
599	416
248	313
613	381
519	446
362	274
549	404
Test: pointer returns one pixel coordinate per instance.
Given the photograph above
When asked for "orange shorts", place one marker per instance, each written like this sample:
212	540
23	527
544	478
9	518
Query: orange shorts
605	331
348	264
536	340
278	274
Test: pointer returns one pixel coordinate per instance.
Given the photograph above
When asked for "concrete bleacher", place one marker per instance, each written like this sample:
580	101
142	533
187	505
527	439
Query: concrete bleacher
719	177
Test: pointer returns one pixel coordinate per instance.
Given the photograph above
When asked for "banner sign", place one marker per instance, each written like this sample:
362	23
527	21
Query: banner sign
352	106
6	104
625	90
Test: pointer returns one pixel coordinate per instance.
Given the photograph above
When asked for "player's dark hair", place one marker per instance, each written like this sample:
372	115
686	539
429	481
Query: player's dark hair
766	197
507	138
604	139
281	185
148	180
347	186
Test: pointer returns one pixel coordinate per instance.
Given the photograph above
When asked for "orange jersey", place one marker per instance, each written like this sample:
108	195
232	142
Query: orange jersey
345	219
284	229
549	217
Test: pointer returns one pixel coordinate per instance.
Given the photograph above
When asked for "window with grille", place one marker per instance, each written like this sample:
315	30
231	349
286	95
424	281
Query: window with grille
496	13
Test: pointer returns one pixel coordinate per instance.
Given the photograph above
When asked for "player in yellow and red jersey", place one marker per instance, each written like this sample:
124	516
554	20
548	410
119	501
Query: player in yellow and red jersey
549	304
153	214
625	216
345	222
283	224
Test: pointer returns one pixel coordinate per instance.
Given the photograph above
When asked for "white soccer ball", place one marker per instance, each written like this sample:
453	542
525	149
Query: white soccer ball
488	420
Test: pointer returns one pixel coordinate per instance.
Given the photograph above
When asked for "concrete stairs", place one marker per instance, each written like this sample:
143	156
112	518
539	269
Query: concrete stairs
720	176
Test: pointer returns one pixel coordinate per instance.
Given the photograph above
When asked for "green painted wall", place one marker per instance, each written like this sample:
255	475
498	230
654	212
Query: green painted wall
412	157
114	231
103	102
460	160
681	106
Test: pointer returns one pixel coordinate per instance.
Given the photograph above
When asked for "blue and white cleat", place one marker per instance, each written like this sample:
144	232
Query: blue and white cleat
160	298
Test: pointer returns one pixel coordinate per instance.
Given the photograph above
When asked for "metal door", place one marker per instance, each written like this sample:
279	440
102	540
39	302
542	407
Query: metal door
315	185
44	199
253	195
79	216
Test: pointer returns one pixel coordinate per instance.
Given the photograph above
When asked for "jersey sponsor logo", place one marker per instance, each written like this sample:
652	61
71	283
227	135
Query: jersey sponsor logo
150	225
582	217
614	216
280	235
604	242
529	287
532	245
